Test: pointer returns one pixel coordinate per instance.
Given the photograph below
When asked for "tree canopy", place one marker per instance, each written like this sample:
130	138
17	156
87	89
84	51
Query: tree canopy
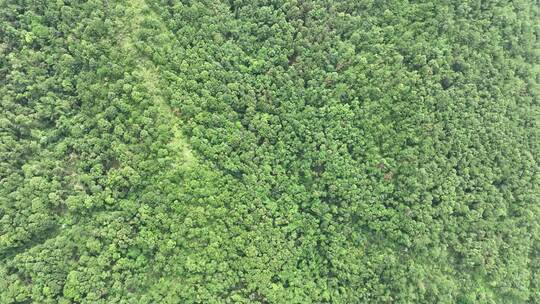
269	151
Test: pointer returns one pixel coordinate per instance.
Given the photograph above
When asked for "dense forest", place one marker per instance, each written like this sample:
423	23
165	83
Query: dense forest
269	151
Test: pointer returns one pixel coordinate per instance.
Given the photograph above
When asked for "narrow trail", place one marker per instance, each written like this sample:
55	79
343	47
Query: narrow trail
138	14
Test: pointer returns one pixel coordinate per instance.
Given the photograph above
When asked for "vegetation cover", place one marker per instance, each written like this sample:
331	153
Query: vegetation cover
269	151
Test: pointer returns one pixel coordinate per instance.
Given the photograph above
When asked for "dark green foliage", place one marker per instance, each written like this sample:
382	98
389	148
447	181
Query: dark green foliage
269	152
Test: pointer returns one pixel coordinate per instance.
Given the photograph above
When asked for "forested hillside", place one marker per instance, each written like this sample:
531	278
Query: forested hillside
269	151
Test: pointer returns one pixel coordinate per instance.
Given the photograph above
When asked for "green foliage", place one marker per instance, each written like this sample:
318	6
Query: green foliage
269	151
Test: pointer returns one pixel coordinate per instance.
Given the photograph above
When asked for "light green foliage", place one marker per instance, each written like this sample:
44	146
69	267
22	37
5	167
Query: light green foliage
269	151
